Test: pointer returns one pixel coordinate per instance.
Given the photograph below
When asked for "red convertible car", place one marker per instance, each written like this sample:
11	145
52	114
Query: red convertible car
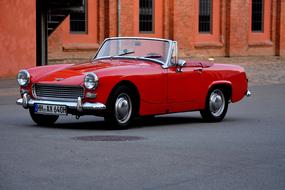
130	77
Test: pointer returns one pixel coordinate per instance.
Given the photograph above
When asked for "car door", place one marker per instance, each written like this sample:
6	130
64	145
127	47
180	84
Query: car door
184	86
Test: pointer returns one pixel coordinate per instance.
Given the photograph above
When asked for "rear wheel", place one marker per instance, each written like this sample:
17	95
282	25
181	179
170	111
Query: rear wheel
42	120
216	106
121	108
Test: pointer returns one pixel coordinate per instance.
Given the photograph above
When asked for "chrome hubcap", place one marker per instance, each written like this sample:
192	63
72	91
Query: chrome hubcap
217	102
123	108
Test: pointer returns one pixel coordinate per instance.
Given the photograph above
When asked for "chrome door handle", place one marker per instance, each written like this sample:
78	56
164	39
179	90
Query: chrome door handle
198	70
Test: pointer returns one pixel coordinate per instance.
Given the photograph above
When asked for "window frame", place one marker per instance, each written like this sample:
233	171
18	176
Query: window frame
153	19
262	18
86	21
265	37
211	19
212	39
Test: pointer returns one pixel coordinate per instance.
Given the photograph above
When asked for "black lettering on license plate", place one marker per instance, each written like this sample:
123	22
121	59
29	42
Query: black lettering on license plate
50	109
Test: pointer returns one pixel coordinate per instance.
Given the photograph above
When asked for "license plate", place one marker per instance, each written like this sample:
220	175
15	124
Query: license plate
50	109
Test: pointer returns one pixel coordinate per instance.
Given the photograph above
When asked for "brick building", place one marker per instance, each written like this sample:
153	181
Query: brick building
24	31
17	36
201	27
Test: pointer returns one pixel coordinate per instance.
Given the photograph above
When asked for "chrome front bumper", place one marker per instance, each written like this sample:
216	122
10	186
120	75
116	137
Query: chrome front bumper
27	102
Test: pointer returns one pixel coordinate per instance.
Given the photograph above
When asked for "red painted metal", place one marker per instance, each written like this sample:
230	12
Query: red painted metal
161	90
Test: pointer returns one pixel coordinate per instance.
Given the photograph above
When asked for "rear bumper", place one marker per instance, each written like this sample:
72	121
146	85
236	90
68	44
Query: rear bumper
248	93
27	102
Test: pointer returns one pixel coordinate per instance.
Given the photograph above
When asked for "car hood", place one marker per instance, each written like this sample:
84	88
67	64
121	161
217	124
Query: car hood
74	74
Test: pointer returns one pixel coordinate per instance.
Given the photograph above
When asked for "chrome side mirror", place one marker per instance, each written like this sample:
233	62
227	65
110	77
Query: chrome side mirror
180	63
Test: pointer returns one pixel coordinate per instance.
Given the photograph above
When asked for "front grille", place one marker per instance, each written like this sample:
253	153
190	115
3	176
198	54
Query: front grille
58	92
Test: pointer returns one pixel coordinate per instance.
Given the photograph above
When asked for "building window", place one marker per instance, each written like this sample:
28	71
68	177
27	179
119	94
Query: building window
257	16
146	16
78	19
205	16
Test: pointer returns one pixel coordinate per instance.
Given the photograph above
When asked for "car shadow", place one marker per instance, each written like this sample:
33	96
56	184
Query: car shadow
166	120
138	123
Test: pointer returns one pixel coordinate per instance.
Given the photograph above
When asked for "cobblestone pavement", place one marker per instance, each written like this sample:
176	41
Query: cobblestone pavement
260	70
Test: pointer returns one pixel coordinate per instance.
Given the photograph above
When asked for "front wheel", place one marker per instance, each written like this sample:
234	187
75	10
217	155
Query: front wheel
42	120
121	108
216	106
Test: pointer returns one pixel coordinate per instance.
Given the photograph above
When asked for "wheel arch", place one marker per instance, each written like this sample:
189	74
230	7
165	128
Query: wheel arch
133	88
226	86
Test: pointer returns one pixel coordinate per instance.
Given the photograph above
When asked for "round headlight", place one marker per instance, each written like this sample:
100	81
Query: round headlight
91	81
23	78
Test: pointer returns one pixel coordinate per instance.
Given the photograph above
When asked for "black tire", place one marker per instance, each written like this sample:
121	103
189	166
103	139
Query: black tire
216	106
42	120
121	108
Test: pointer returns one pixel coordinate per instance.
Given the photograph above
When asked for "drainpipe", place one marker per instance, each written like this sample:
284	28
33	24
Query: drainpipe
119	19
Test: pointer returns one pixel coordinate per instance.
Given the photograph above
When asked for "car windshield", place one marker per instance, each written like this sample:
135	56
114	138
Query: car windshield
151	49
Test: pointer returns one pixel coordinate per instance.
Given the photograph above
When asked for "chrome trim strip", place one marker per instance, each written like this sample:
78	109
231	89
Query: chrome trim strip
168	61
133	37
70	105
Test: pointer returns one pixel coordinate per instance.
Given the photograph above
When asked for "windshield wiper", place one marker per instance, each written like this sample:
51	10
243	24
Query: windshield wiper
153	56
126	53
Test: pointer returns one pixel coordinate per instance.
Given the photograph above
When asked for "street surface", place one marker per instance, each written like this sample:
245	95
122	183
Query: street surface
170	152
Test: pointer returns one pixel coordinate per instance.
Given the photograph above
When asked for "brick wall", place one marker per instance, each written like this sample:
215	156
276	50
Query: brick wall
17	36
178	20
64	44
238	28
126	18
